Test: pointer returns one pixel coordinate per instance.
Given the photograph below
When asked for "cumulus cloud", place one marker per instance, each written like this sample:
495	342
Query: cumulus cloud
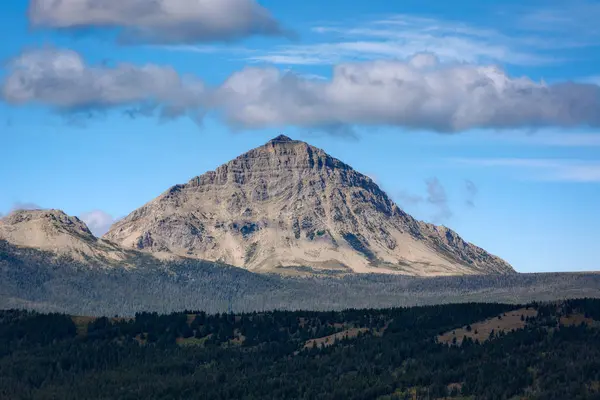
98	221
470	192
159	21
419	93
436	196
62	80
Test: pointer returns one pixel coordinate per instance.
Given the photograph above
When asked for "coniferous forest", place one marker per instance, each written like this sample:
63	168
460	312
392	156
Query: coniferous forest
533	351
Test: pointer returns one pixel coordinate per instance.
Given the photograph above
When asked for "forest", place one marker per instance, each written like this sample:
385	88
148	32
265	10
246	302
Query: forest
551	352
36	280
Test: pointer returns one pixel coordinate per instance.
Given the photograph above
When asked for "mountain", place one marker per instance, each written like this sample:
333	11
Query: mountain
58	233
287	205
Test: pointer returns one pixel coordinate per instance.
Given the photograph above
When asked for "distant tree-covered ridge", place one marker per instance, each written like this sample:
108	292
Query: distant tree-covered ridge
552	352
32	279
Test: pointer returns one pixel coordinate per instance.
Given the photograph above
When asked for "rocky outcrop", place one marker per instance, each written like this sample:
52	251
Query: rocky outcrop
288	204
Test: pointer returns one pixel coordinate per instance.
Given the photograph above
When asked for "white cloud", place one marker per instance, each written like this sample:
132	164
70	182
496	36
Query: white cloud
159	21
97	221
420	93
543	169
63	81
413	94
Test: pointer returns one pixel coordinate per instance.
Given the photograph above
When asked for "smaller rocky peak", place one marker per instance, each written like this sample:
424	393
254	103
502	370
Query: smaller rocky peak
46	219
23	215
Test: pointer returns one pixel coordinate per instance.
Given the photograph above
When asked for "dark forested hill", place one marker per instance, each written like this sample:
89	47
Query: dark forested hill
551	352
37	280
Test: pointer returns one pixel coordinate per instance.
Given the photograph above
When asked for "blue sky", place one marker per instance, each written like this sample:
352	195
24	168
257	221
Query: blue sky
477	115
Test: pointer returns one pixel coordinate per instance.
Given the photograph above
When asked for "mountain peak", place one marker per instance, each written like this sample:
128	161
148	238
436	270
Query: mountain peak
281	139
289	204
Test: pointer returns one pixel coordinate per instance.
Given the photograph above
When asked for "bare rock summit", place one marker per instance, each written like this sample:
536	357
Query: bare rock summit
286	205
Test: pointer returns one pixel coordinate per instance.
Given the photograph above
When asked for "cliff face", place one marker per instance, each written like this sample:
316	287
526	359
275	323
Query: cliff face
288	204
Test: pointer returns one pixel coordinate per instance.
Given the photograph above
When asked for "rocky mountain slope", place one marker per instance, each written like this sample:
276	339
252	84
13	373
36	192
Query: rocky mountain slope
61	234
288	204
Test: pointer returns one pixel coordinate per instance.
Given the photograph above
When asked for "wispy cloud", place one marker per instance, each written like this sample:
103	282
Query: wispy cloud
405	198
471	191
543	138
594	80
293	57
19	205
400	36
436	196
563	18
25	206
562	140
567	170
202	49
